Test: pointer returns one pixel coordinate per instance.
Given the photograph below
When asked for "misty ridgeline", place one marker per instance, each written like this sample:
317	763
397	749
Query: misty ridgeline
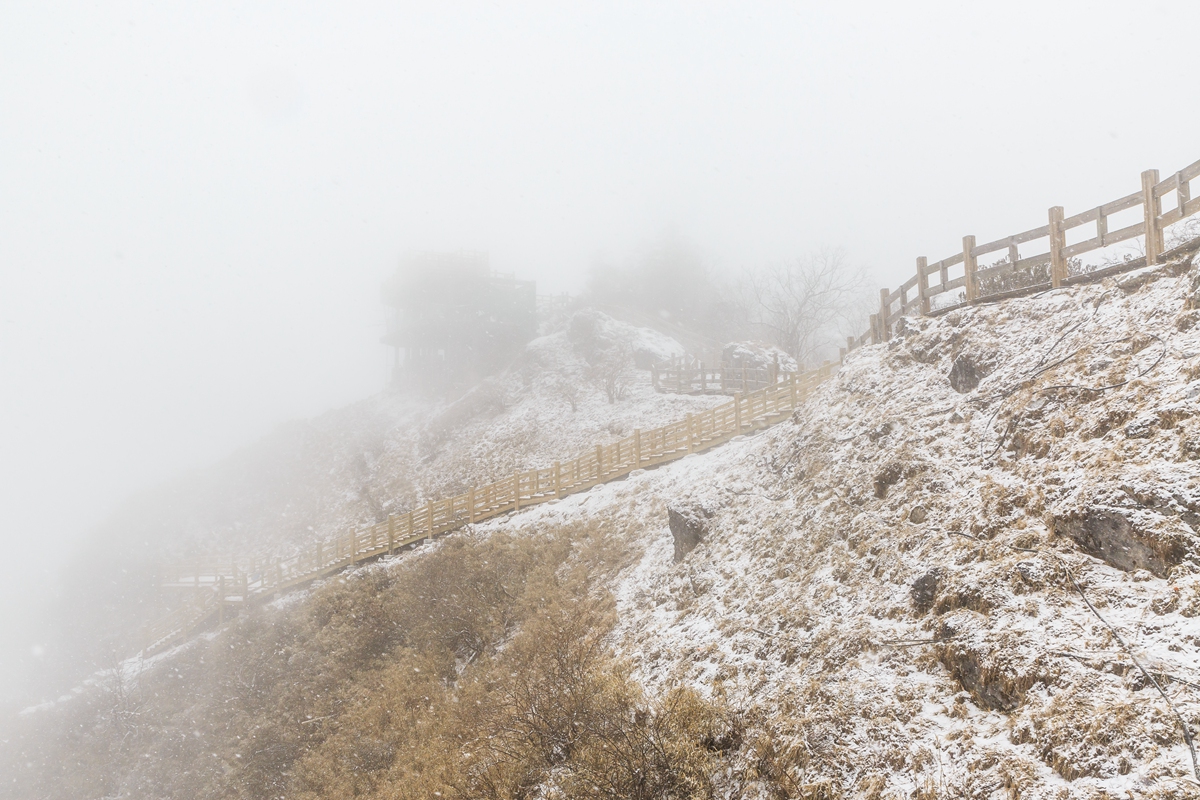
684	537
453	322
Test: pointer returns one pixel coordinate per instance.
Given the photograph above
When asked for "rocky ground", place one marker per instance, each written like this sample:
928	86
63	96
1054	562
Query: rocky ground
967	568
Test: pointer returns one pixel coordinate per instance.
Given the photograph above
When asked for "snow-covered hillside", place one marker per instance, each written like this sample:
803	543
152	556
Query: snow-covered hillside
399	450
898	581
312	480
967	567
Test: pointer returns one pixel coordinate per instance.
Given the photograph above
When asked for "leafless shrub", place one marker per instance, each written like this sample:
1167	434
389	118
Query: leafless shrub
569	389
123	691
1034	275
568	716
612	371
1182	232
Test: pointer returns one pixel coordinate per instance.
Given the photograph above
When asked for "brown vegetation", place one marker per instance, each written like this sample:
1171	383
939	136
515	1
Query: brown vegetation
477	670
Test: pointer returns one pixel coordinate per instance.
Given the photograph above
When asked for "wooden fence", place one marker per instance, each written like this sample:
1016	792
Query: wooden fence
217	587
1044	270
689	375
761	397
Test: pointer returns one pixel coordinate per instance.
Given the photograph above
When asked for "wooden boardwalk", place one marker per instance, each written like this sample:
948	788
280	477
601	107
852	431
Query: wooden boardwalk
761	397
216	589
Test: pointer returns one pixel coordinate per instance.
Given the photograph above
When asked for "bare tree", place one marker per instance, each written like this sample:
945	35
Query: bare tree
568	389
611	372
803	305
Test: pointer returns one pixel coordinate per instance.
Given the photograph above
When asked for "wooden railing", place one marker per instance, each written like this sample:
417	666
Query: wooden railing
1049	269
215	587
762	396
688	375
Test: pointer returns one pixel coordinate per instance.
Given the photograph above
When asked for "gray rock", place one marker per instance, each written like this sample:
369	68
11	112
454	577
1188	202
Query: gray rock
1142	427
964	376
925	589
1109	535
689	527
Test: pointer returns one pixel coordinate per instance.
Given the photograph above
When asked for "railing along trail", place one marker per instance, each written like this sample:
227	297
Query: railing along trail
217	587
961	270
762	396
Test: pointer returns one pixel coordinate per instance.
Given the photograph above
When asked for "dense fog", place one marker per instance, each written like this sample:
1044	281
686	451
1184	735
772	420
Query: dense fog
201	203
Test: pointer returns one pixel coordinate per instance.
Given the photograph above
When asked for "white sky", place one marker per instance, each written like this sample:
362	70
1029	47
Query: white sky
198	201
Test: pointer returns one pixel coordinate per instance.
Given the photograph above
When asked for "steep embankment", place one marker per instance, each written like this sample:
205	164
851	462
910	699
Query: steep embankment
913	589
900	579
896	585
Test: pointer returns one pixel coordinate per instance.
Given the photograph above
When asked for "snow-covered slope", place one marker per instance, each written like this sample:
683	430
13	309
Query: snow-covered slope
968	567
910	586
311	480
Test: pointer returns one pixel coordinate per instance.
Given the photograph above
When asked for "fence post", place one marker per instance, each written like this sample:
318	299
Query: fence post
792	386
557	479
391	532
599	462
353	544
923	284
737	411
637	447
429	518
884	312
969	268
412	523
690	433
1152	210
1058	264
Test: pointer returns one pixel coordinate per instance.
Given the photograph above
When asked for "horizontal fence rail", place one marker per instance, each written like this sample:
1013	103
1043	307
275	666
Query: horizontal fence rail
218	587
1050	265
692	376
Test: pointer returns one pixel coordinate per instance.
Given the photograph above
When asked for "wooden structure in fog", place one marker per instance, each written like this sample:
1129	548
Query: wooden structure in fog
454	320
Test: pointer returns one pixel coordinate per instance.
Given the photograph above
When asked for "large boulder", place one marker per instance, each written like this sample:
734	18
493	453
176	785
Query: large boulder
689	527
594	334
925	589
964	375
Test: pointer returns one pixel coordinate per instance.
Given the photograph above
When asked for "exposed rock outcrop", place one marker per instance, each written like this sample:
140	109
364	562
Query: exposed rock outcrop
1110	535
689	527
